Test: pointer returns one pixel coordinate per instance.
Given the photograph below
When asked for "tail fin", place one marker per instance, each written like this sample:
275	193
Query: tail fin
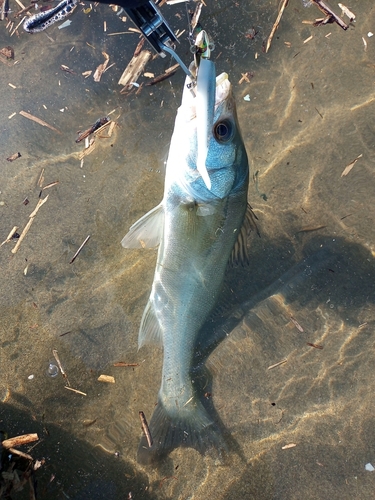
192	428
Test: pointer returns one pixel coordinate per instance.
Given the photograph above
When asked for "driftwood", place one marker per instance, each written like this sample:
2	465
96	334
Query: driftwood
331	16
19	440
134	68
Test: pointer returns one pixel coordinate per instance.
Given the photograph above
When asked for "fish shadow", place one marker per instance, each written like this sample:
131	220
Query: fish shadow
321	267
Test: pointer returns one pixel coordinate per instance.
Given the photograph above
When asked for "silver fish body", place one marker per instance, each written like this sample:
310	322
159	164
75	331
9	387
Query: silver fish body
198	230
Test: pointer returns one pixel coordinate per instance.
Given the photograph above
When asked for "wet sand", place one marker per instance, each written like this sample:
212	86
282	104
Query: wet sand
311	113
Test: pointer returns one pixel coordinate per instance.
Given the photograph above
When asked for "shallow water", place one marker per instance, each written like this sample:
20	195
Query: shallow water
311	112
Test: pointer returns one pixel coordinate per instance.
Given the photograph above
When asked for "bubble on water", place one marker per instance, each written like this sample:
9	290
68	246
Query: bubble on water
52	370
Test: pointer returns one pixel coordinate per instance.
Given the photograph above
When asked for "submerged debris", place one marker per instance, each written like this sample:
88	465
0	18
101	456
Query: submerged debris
99	123
14	157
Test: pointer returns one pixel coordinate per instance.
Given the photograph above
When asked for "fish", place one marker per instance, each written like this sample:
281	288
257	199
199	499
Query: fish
201	224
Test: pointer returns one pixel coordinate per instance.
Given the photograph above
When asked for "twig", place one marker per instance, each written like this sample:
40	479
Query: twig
10	235
167	74
276	24
41	179
19	440
28	225
287	446
56	356
332	17
38	120
15	29
75	390
145	428
79	250
277	364
348	168
51	184
314	345
20	453
38	205
121	363
296	324
22	235
196	15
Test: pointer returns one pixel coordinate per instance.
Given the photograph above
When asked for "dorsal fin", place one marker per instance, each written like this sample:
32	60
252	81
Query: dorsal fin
240	253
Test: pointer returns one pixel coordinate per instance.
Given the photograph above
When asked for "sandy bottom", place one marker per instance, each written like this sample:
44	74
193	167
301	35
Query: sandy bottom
311	279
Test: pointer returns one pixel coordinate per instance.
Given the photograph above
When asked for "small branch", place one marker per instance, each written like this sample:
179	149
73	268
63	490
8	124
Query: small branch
276	24
332	17
19	440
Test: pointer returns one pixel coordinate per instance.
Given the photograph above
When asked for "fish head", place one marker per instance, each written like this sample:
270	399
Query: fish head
207	158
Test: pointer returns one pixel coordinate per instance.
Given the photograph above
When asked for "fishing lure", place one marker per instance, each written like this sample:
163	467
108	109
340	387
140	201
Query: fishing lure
43	20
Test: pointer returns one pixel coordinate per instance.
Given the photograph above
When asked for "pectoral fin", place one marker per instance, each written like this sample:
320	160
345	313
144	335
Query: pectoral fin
147	231
240	253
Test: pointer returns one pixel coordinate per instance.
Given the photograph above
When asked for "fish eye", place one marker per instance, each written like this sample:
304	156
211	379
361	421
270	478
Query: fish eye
223	131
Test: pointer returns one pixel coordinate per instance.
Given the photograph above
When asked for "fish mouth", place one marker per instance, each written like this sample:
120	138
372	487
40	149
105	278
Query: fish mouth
211	91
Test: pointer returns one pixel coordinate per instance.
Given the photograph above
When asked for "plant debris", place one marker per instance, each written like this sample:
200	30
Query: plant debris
106	378
38	120
99	123
14	157
146	428
348	168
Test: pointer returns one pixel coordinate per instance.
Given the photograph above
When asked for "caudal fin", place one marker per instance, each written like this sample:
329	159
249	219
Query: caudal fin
191	428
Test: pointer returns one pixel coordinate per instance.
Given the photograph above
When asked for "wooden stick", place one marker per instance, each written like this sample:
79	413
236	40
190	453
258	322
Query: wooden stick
28	225
145	428
56	356
277	364
79	250
348	168
15	29
39	204
19	440
38	120
20	453
22	235
276	24
167	74
51	184
329	12
75	390
41	179
9	237
20	4
121	363
135	68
